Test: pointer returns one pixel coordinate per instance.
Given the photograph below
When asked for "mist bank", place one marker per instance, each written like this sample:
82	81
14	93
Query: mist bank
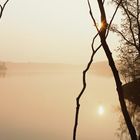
38	102
98	68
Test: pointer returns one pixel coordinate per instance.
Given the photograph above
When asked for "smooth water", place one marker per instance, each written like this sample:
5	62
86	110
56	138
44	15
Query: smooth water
37	102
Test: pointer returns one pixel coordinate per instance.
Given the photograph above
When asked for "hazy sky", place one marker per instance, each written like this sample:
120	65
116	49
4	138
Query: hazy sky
49	31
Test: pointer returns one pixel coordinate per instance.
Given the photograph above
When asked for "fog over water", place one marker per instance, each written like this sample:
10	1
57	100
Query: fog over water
37	102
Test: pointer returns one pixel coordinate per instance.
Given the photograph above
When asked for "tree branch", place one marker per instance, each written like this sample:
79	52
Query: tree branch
119	32
2	7
113	18
130	27
93	19
84	86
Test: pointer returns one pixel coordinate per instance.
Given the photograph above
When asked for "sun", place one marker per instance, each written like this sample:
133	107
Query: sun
100	25
101	110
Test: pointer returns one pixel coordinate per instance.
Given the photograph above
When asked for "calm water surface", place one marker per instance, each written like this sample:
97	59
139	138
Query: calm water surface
40	104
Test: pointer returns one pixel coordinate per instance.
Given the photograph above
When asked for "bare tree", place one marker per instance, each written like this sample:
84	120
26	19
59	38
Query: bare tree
129	32
130	25
103	33
127	63
129	56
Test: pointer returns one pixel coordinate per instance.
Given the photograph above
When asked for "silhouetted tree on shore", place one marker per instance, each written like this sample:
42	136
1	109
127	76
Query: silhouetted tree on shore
102	33
129	60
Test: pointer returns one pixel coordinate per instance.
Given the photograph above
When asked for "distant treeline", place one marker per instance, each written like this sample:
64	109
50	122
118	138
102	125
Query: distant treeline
3	69
3	66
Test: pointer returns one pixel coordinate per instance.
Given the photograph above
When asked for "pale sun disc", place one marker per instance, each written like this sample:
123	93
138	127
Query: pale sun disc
101	110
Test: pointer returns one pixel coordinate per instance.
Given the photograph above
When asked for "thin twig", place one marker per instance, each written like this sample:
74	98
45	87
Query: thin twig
2	7
130	26
84	87
124	37
113	18
84	74
93	19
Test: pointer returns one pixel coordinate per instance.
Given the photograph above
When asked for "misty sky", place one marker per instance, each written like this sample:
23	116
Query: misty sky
58	31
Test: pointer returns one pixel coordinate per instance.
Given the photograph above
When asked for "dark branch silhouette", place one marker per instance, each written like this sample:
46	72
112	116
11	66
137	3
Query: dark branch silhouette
130	32
130	27
2	7
84	86
110	23
115	73
103	33
93	19
122	35
88	66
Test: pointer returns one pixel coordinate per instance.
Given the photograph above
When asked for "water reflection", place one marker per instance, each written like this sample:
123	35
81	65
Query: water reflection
134	111
3	69
37	102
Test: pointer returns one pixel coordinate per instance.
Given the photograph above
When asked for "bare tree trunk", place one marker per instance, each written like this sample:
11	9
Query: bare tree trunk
115	73
119	90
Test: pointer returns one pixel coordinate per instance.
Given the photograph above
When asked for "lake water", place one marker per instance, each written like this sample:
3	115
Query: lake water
37	102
